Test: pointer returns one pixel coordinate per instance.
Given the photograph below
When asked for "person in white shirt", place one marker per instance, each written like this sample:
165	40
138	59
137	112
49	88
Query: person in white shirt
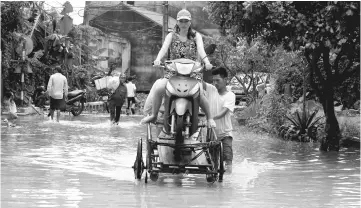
222	107
131	89
58	92
10	106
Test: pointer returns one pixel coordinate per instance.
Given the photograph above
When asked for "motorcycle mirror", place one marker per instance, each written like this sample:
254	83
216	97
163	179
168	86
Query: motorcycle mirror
210	49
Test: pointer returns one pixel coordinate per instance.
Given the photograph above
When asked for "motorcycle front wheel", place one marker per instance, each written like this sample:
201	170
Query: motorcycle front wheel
179	136
77	108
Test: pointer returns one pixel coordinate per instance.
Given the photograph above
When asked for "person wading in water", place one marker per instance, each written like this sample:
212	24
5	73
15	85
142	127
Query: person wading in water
117	100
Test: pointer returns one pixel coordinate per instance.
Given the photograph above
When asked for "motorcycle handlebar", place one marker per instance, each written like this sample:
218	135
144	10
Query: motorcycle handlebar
162	64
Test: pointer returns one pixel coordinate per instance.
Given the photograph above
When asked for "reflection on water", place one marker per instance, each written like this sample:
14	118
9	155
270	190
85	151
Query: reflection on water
86	162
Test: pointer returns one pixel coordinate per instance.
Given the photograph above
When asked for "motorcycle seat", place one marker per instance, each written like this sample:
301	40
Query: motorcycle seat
75	93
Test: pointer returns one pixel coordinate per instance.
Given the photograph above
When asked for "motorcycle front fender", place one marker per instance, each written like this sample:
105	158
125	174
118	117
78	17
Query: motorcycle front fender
181	105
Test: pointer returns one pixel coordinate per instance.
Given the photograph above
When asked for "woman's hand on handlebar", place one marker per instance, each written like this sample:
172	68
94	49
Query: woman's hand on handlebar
208	66
156	63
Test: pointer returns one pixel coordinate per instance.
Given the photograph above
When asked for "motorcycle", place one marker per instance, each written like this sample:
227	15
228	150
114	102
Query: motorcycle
75	102
182	100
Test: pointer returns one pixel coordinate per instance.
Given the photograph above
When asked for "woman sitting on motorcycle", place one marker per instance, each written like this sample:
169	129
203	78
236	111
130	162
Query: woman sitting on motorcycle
183	43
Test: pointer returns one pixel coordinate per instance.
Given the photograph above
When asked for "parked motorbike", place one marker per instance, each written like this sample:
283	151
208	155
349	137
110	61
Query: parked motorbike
75	102
182	99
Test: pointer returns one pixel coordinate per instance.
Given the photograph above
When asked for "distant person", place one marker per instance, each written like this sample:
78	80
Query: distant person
10	107
58	92
131	89
117	99
222	109
40	96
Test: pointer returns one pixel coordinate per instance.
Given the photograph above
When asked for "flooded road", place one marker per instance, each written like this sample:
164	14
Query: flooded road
85	162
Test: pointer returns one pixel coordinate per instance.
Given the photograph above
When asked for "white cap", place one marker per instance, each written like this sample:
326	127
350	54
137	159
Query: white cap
184	14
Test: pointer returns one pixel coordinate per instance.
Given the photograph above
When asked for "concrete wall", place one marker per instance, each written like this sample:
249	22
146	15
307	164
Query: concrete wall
117	49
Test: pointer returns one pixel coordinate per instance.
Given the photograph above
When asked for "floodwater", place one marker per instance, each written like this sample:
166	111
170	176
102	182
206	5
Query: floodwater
85	162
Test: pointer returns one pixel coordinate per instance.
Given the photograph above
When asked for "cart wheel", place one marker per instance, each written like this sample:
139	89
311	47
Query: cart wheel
221	163
138	163
154	176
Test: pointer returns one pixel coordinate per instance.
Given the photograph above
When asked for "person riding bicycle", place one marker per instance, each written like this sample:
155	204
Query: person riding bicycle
184	43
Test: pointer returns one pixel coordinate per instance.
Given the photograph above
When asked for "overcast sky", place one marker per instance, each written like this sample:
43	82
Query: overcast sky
78	9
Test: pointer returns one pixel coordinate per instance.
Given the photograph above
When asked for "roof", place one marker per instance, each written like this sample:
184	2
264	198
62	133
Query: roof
155	17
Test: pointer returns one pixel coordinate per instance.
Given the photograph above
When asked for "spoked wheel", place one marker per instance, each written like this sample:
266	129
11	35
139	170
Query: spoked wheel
138	163
77	108
217	157
148	160
213	152
221	162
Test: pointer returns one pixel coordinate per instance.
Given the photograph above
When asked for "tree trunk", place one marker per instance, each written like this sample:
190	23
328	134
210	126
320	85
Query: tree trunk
331	142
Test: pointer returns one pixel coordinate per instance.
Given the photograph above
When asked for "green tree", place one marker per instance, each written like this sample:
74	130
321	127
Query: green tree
328	33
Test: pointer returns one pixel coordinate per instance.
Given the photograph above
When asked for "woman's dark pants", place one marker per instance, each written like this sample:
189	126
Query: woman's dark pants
114	111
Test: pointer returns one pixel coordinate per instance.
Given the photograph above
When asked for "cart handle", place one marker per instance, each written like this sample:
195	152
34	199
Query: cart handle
149	132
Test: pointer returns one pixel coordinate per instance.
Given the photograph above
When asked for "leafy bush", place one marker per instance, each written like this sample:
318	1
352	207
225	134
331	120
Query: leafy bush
271	111
350	126
278	108
303	127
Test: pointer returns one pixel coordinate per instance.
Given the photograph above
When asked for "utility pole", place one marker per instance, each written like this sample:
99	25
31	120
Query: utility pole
80	43
165	24
22	73
165	20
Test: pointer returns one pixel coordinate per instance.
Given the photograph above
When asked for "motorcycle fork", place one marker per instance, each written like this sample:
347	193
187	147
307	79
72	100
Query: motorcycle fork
187	125
172	124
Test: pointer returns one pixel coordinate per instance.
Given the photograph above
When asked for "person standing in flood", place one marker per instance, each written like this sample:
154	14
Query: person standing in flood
223	113
58	92
117	99
131	94
10	107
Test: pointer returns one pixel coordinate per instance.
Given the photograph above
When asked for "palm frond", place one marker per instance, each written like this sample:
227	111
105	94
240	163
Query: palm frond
316	121
310	118
299	119
292	121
